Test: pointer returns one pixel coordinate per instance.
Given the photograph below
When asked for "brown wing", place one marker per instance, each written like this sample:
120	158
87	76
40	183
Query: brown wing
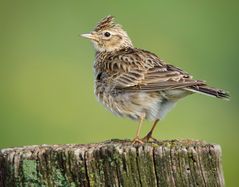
136	69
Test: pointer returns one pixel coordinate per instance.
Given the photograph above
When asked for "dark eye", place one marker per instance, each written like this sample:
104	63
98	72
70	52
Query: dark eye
107	34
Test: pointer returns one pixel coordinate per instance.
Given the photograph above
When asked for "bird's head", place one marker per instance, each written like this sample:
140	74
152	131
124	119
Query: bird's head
108	36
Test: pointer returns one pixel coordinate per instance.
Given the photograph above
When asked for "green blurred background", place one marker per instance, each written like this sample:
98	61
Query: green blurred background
46	77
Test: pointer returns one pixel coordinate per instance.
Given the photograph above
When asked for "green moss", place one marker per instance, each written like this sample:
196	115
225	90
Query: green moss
91	178
155	145
59	179
72	184
29	168
82	169
130	173
101	167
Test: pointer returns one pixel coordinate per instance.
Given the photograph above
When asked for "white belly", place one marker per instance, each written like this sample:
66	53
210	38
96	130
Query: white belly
135	105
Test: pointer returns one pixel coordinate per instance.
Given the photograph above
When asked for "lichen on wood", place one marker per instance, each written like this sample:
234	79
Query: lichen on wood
113	163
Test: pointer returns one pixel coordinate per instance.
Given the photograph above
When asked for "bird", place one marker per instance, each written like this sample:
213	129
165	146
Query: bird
135	83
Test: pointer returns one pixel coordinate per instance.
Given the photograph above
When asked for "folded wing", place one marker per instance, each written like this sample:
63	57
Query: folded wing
142	70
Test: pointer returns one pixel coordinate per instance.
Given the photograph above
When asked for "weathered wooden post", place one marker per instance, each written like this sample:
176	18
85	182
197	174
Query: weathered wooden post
113	163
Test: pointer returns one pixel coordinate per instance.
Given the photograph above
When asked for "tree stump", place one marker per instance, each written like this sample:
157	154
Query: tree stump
113	163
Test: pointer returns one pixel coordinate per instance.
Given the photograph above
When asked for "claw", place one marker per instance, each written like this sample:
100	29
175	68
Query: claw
149	137
137	140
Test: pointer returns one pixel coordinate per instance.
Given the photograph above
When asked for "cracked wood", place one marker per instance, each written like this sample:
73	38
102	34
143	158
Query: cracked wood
113	163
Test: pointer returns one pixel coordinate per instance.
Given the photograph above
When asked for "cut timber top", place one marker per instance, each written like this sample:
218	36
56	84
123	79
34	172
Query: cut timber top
113	163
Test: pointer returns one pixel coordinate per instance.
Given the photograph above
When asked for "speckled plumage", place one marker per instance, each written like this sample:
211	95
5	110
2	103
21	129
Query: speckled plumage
136	83
127	83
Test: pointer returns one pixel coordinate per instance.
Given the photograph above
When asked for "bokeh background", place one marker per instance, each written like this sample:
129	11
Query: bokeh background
46	76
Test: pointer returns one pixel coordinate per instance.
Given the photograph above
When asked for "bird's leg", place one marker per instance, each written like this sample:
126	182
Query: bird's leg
137	139
149	135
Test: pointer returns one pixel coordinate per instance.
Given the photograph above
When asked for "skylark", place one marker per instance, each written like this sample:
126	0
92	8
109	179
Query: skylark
136	83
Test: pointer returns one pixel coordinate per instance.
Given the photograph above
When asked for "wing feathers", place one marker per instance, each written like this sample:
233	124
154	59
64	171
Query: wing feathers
204	89
135	69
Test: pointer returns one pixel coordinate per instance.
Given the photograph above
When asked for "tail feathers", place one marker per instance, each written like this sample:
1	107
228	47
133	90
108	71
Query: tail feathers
214	92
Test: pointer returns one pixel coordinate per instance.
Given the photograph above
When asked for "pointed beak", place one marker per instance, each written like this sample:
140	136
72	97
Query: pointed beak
89	36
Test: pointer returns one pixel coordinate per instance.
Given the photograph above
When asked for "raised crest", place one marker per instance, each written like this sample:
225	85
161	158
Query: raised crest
106	22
